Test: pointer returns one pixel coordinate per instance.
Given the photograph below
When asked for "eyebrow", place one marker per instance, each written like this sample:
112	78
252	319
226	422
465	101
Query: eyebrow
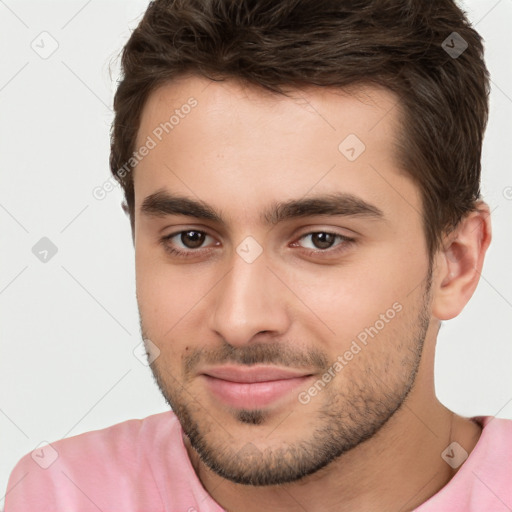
163	203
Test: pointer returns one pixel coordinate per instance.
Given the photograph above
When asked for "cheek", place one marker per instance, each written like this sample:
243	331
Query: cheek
158	301
349	298
169	301
160	309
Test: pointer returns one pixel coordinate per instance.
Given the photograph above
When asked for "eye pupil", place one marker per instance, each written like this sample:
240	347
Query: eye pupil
192	239
323	240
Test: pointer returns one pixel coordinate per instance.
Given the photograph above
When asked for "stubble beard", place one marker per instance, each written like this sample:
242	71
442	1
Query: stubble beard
355	414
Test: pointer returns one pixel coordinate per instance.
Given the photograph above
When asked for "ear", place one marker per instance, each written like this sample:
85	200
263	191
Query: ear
124	206
459	263
126	210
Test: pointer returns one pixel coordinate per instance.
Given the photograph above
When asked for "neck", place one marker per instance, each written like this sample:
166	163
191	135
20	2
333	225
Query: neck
397	469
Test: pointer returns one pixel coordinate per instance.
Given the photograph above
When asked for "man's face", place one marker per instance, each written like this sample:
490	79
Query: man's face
290	325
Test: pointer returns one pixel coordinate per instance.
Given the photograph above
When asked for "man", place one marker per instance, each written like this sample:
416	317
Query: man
302	181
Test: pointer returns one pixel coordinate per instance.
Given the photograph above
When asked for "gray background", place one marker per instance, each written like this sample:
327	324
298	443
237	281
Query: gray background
69	325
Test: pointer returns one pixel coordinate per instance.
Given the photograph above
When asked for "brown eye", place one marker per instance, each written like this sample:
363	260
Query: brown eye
324	243
192	239
187	243
323	240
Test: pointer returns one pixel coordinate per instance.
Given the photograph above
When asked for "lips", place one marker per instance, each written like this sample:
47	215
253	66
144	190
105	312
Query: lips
252	387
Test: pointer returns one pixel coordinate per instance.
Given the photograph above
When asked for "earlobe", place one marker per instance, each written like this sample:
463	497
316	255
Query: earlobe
459	263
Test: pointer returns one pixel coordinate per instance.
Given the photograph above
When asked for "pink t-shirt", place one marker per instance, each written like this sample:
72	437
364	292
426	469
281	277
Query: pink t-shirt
143	466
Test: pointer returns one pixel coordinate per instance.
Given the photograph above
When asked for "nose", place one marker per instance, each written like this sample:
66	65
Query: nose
249	300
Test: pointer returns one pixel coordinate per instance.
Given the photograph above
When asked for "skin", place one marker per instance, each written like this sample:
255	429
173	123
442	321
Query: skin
300	304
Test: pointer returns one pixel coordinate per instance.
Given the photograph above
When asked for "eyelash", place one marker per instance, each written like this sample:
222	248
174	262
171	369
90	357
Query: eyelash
345	242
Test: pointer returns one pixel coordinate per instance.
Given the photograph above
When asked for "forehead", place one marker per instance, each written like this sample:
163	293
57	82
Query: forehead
357	107
227	143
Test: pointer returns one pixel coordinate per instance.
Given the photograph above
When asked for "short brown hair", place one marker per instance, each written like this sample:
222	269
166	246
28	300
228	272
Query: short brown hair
403	45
